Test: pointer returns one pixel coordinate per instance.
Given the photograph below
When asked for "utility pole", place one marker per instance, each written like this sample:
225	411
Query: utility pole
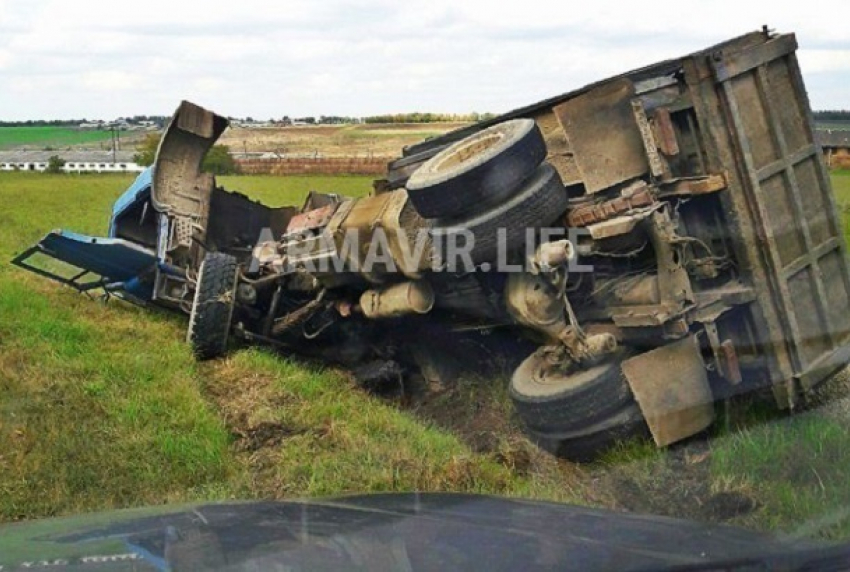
112	133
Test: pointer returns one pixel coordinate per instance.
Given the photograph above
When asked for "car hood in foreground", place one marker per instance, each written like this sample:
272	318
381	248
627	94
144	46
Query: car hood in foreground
381	532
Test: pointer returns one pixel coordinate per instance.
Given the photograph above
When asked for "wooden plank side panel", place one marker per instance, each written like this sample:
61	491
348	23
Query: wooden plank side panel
740	62
788	136
722	154
780	200
767	231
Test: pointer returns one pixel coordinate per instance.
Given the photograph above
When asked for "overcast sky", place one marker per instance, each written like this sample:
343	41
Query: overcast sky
103	59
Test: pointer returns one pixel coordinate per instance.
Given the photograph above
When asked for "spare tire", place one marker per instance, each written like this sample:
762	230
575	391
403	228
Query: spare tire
540	201
212	308
482	169
550	401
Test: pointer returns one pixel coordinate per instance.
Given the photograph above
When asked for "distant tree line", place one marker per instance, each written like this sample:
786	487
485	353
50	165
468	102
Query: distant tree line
139	118
43	123
833	115
336	119
418	117
135	119
309	120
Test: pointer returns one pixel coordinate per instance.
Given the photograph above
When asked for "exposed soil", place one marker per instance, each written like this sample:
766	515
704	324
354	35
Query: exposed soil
472	403
833	397
252	438
481	423
677	484
373	140
245	404
475	407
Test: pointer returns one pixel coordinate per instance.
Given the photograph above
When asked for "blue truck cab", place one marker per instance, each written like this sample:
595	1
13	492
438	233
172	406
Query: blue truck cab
115	264
135	195
161	226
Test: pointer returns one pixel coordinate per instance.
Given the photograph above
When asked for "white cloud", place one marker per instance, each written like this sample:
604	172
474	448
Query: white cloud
362	57
825	60
208	84
110	80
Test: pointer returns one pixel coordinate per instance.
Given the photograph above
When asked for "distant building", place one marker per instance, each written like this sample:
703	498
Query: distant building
836	147
91	125
75	161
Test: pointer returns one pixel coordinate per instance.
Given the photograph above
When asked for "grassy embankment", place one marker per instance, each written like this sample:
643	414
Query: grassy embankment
103	406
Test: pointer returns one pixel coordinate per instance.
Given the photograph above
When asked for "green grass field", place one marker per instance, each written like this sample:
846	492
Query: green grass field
841	186
41	137
103	406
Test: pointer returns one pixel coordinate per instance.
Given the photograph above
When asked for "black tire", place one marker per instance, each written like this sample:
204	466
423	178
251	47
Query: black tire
212	308
552	402
482	169
587	445
540	201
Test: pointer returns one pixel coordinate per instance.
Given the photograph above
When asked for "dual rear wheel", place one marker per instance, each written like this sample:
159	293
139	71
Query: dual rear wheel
492	186
577	415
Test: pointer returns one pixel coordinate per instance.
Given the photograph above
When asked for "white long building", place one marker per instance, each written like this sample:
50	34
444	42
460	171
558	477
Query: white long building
75	161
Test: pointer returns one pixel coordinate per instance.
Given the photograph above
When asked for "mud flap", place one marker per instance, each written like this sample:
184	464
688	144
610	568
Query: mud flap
671	387
179	186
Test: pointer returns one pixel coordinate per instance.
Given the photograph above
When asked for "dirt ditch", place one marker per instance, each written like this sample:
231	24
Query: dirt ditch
676	483
680	481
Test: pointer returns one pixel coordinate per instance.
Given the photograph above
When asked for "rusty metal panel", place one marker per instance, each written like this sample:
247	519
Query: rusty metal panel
389	224
311	220
755	108
664	132
649	75
671	387
603	135
657	166
559	154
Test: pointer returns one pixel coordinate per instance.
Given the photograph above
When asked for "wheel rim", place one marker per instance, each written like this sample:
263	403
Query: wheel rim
546	378
551	376
468	151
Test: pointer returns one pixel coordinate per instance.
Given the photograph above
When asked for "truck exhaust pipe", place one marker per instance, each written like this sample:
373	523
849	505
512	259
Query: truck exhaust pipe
397	300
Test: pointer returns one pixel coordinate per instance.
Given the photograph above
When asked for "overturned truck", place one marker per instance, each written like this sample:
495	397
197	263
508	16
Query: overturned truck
666	238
